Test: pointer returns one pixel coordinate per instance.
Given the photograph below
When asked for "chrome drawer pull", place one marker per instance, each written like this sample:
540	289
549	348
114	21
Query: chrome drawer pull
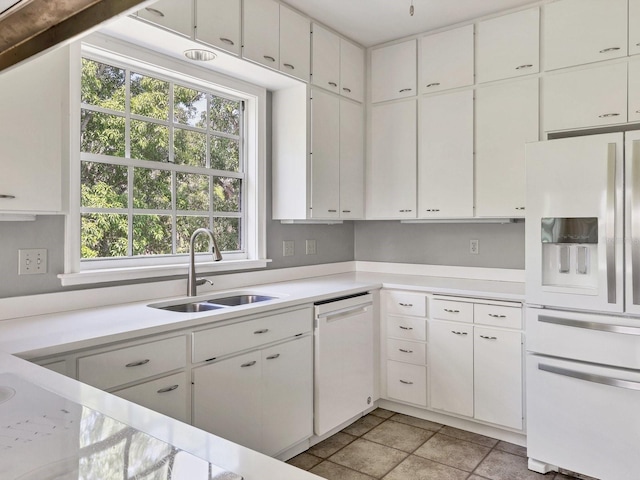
289	66
493	315
248	364
405	90
607	115
434	84
333	84
269	57
332	211
345	89
168	389
8	197
433	209
405	351
137	364
611	49
406	382
458	333
488	338
590	377
405	211
258	332
273	357
526	65
519	208
346	211
405	304
228	41
406	328
451	311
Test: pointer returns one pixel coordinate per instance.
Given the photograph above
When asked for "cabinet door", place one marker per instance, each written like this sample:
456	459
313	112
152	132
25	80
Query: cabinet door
584	31
506	119
407	383
227	399
393	71
325	155
351	160
176	15
634	27
498	377
446	60
351	71
634	91
326	59
295	44
287	398
445	165
450	354
261	32
218	24
392	173
586	98
509	46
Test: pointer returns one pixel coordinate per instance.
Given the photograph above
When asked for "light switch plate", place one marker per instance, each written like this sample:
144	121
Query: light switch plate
32	261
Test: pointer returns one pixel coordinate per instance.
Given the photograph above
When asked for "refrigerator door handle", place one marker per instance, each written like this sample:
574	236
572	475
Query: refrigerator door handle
635	225
611	223
590	377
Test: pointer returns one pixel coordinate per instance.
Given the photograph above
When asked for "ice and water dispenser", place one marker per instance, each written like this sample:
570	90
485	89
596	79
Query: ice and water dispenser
570	252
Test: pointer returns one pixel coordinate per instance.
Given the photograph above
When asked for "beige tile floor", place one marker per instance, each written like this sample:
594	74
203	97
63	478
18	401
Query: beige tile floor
391	446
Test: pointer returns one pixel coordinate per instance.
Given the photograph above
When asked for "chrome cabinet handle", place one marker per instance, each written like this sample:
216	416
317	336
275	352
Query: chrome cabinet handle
228	41
451	311
258	332
333	84
137	364
273	357
346	211
248	364
168	389
610	49
608	115
634	174
520	208
269	57
459	333
405	351
332	211
611	223
493	315
590	377
434	84
406	382
433	209
522	67
405	90
488	338
345	89
405	328
8	197
405	304
603	327
155	11
405	211
289	66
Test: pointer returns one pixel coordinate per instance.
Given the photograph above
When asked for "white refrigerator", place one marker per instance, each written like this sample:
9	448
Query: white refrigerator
583	305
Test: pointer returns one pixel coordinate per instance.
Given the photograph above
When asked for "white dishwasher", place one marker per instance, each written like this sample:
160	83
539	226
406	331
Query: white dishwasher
343	362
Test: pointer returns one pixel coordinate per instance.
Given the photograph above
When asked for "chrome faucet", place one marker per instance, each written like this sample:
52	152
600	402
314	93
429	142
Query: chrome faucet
192	281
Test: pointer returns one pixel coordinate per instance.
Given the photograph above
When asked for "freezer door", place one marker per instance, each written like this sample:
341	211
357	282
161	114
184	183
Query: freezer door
574	223
632	222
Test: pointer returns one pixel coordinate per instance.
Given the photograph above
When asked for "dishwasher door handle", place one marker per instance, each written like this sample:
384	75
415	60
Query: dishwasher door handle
350	312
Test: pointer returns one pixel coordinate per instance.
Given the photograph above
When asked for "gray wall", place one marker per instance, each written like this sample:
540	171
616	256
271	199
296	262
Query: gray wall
501	245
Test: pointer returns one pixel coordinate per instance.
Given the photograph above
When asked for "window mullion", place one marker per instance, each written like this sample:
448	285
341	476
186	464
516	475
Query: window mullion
127	154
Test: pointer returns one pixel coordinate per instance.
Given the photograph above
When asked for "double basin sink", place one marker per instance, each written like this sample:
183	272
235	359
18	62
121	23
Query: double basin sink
195	305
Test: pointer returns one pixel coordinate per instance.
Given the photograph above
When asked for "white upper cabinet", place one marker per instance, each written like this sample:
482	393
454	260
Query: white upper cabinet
338	65
506	118
634	91
446	60
393	71
351	160
295	44
586	98
508	46
584	31
392	171
261	27
445	166
218	24
634	27
176	15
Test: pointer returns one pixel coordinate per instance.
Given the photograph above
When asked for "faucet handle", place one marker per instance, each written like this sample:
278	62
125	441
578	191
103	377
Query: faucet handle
202	281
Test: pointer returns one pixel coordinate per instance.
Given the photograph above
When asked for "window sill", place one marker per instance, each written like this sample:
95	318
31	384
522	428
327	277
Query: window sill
89	277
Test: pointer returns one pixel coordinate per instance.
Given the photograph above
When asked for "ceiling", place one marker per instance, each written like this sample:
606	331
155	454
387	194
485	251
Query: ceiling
371	22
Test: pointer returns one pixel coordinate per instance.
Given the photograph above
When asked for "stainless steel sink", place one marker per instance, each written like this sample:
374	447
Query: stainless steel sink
190	307
193	305
235	300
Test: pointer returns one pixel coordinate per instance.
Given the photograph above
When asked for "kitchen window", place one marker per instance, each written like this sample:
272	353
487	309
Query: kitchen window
162	154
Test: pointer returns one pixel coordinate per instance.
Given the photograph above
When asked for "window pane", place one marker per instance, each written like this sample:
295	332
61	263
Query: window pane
185	226
101	133
152	234
103	85
226	194
152	189
227	232
189	106
103	185
225	154
149	141
193	191
224	115
189	148
149	96
104	235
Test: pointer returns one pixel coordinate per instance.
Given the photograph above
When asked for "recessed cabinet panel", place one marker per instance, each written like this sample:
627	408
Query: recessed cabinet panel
506	119
445	165
393	71
586	98
351	160
218	24
446	60
634	27
295	44
508	46
351	71
326	59
584	31
261	32
176	15
634	91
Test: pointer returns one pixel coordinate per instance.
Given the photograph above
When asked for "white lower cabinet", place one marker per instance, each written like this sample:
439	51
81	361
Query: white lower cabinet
262	399
407	383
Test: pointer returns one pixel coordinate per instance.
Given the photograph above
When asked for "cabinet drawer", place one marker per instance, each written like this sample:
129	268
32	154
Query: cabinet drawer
497	315
407	328
403	303
219	341
125	365
167	395
403	351
452	310
407	383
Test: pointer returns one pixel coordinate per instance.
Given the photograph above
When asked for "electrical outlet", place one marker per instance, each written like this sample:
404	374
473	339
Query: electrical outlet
288	249
311	247
474	247
32	261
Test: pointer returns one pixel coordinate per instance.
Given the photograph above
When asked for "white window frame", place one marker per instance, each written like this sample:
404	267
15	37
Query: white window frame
254	196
